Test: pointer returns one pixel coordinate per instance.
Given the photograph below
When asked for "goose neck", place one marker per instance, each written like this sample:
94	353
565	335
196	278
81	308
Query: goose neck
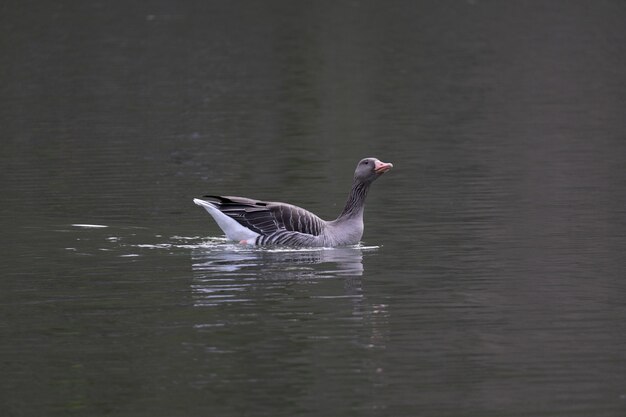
356	200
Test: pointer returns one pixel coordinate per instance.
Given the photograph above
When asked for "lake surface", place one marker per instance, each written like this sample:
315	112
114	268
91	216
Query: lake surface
491	277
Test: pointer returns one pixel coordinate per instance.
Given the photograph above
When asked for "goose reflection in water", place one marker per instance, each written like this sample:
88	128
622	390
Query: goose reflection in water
305	288
234	258
224	273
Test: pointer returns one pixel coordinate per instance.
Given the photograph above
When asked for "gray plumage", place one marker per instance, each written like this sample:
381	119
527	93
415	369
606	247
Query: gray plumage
274	223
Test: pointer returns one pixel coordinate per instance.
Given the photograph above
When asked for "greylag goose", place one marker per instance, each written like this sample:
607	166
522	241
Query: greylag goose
255	222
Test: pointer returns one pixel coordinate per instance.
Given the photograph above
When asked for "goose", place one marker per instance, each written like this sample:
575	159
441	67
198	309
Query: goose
258	223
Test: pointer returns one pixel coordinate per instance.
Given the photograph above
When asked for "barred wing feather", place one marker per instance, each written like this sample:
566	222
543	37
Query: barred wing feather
266	218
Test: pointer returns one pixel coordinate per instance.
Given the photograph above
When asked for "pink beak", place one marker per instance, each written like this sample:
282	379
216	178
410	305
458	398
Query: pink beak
381	167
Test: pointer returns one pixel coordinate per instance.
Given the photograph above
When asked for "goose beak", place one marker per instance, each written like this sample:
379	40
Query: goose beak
382	167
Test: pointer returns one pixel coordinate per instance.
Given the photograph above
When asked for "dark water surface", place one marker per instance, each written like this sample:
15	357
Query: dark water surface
491	277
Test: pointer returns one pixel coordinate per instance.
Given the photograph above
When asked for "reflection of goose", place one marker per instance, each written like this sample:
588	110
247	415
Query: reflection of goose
232	273
250	285
271	223
229	258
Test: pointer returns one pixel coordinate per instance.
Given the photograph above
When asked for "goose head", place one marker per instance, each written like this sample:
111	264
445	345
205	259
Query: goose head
368	169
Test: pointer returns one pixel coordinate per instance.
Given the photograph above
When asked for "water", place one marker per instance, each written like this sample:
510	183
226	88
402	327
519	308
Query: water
490	279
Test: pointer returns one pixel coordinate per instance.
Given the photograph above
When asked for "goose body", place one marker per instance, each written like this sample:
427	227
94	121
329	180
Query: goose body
256	222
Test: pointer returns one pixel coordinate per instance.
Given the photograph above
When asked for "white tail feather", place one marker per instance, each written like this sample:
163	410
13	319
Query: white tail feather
230	227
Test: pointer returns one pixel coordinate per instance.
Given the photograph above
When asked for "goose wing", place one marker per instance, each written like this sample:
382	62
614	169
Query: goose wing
266	217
